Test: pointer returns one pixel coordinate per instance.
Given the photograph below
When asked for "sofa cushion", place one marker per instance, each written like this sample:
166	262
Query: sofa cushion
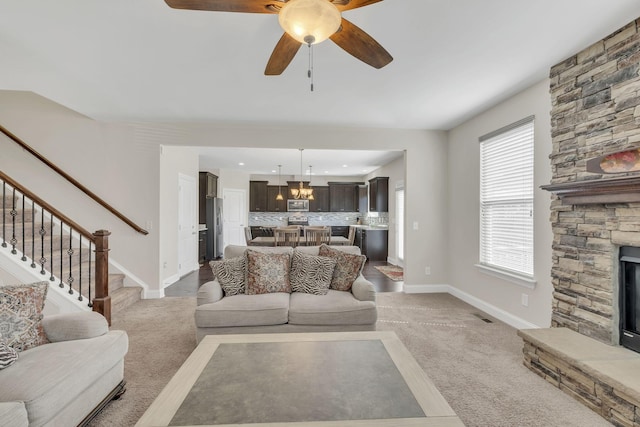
21	315
231	274
335	308
267	272
8	355
46	378
311	274
74	326
13	414
348	267
244	310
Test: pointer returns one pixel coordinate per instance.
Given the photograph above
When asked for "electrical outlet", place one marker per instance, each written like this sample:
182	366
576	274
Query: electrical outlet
149	225
415	225
525	300
427	271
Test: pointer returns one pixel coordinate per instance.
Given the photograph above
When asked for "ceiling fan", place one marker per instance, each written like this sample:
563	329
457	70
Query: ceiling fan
305	22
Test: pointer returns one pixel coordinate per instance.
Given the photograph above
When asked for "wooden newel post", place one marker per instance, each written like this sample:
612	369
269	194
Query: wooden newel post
102	299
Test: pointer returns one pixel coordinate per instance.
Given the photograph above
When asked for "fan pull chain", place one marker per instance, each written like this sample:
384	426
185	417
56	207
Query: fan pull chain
310	72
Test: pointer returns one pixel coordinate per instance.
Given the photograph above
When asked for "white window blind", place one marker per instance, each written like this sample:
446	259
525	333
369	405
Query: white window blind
506	198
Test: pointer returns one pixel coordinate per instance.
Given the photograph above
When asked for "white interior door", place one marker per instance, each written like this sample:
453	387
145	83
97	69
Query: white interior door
187	230
400	225
235	216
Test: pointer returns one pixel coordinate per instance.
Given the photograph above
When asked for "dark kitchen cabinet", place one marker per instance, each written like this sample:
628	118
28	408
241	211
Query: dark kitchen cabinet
343	197
202	245
320	202
207	188
258	196
274	205
363	199
379	194
340	230
373	243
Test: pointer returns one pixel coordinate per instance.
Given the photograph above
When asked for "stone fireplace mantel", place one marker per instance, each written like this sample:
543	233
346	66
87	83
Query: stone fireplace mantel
613	190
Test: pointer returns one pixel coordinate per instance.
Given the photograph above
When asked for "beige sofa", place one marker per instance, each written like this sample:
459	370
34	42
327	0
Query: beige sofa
353	310
61	383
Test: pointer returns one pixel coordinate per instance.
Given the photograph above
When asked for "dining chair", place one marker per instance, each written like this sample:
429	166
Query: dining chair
315	236
352	235
286	237
247	235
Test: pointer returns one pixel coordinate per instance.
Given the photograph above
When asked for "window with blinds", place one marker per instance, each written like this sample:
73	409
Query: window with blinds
506	199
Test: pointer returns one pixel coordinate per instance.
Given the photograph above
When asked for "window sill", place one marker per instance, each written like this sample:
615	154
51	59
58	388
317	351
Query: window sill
509	277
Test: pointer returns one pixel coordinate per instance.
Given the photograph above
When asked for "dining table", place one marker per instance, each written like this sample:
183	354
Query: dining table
270	241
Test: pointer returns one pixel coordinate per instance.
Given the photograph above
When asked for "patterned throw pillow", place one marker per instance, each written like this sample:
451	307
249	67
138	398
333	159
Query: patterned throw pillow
8	355
230	274
21	315
311	274
348	267
267	272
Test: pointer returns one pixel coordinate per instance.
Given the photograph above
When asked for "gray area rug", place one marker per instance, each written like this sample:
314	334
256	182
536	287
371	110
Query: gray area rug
477	366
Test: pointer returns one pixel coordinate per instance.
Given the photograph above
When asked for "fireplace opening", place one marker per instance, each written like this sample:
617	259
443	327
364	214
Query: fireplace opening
630	297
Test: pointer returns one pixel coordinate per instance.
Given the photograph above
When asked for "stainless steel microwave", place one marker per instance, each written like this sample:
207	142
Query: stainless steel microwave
297	205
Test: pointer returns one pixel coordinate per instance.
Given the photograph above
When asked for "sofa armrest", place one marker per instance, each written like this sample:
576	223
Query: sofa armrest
210	292
74	326
363	290
13	414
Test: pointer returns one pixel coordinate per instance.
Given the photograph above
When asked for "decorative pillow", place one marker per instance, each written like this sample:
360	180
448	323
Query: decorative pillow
230	274
21	315
267	272
348	267
8	355
311	274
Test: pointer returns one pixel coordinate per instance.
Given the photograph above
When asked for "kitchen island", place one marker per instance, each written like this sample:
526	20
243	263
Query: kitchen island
373	241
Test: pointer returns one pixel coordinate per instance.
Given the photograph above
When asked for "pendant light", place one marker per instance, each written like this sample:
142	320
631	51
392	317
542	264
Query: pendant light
279	196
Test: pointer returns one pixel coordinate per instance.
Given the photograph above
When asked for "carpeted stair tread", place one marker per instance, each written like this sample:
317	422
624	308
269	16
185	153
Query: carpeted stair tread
124	297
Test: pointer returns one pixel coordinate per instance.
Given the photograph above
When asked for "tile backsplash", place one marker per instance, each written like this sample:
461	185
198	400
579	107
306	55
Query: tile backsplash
272	219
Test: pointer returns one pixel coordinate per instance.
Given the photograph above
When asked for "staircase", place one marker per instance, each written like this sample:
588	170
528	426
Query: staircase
52	250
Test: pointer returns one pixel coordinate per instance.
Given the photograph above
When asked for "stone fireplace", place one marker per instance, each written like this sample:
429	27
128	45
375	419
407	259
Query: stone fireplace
595	98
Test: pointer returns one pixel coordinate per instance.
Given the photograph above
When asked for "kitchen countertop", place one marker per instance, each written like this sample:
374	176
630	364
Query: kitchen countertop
370	227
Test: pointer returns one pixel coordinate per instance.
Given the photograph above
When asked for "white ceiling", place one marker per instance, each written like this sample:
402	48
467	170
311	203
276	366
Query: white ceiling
324	162
131	61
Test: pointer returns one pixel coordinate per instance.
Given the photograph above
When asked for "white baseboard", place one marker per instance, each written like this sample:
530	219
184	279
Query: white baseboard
498	313
154	294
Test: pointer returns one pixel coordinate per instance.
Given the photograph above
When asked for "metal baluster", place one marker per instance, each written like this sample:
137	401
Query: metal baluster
51	248
33	234
43	232
80	270
4	212
14	212
70	252
24	252
90	304
61	250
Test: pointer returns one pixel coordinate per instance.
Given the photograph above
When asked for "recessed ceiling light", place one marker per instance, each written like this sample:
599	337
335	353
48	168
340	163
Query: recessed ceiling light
344	166
240	164
273	171
326	171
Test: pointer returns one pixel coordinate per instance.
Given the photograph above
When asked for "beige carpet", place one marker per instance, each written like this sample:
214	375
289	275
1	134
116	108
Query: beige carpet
477	366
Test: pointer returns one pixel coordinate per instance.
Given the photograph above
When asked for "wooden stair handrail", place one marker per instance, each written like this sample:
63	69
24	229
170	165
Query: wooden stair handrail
73	181
47	206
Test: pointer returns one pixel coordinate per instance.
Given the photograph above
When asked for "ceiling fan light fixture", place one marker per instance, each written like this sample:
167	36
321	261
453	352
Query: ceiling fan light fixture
310	21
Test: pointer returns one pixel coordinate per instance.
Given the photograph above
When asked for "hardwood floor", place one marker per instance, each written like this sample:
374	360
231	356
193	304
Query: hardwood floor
189	284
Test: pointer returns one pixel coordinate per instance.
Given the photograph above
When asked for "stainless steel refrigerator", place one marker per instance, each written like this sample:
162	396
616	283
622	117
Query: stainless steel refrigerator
214	228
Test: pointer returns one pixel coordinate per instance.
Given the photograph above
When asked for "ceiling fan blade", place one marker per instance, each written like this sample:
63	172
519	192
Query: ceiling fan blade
361	45
343	5
248	6
282	55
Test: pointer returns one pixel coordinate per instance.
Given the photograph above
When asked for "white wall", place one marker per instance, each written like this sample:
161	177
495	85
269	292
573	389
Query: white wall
425	179
463	208
113	161
173	161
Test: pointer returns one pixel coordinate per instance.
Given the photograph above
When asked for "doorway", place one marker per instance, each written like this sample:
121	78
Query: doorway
187	231
235	216
400	223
